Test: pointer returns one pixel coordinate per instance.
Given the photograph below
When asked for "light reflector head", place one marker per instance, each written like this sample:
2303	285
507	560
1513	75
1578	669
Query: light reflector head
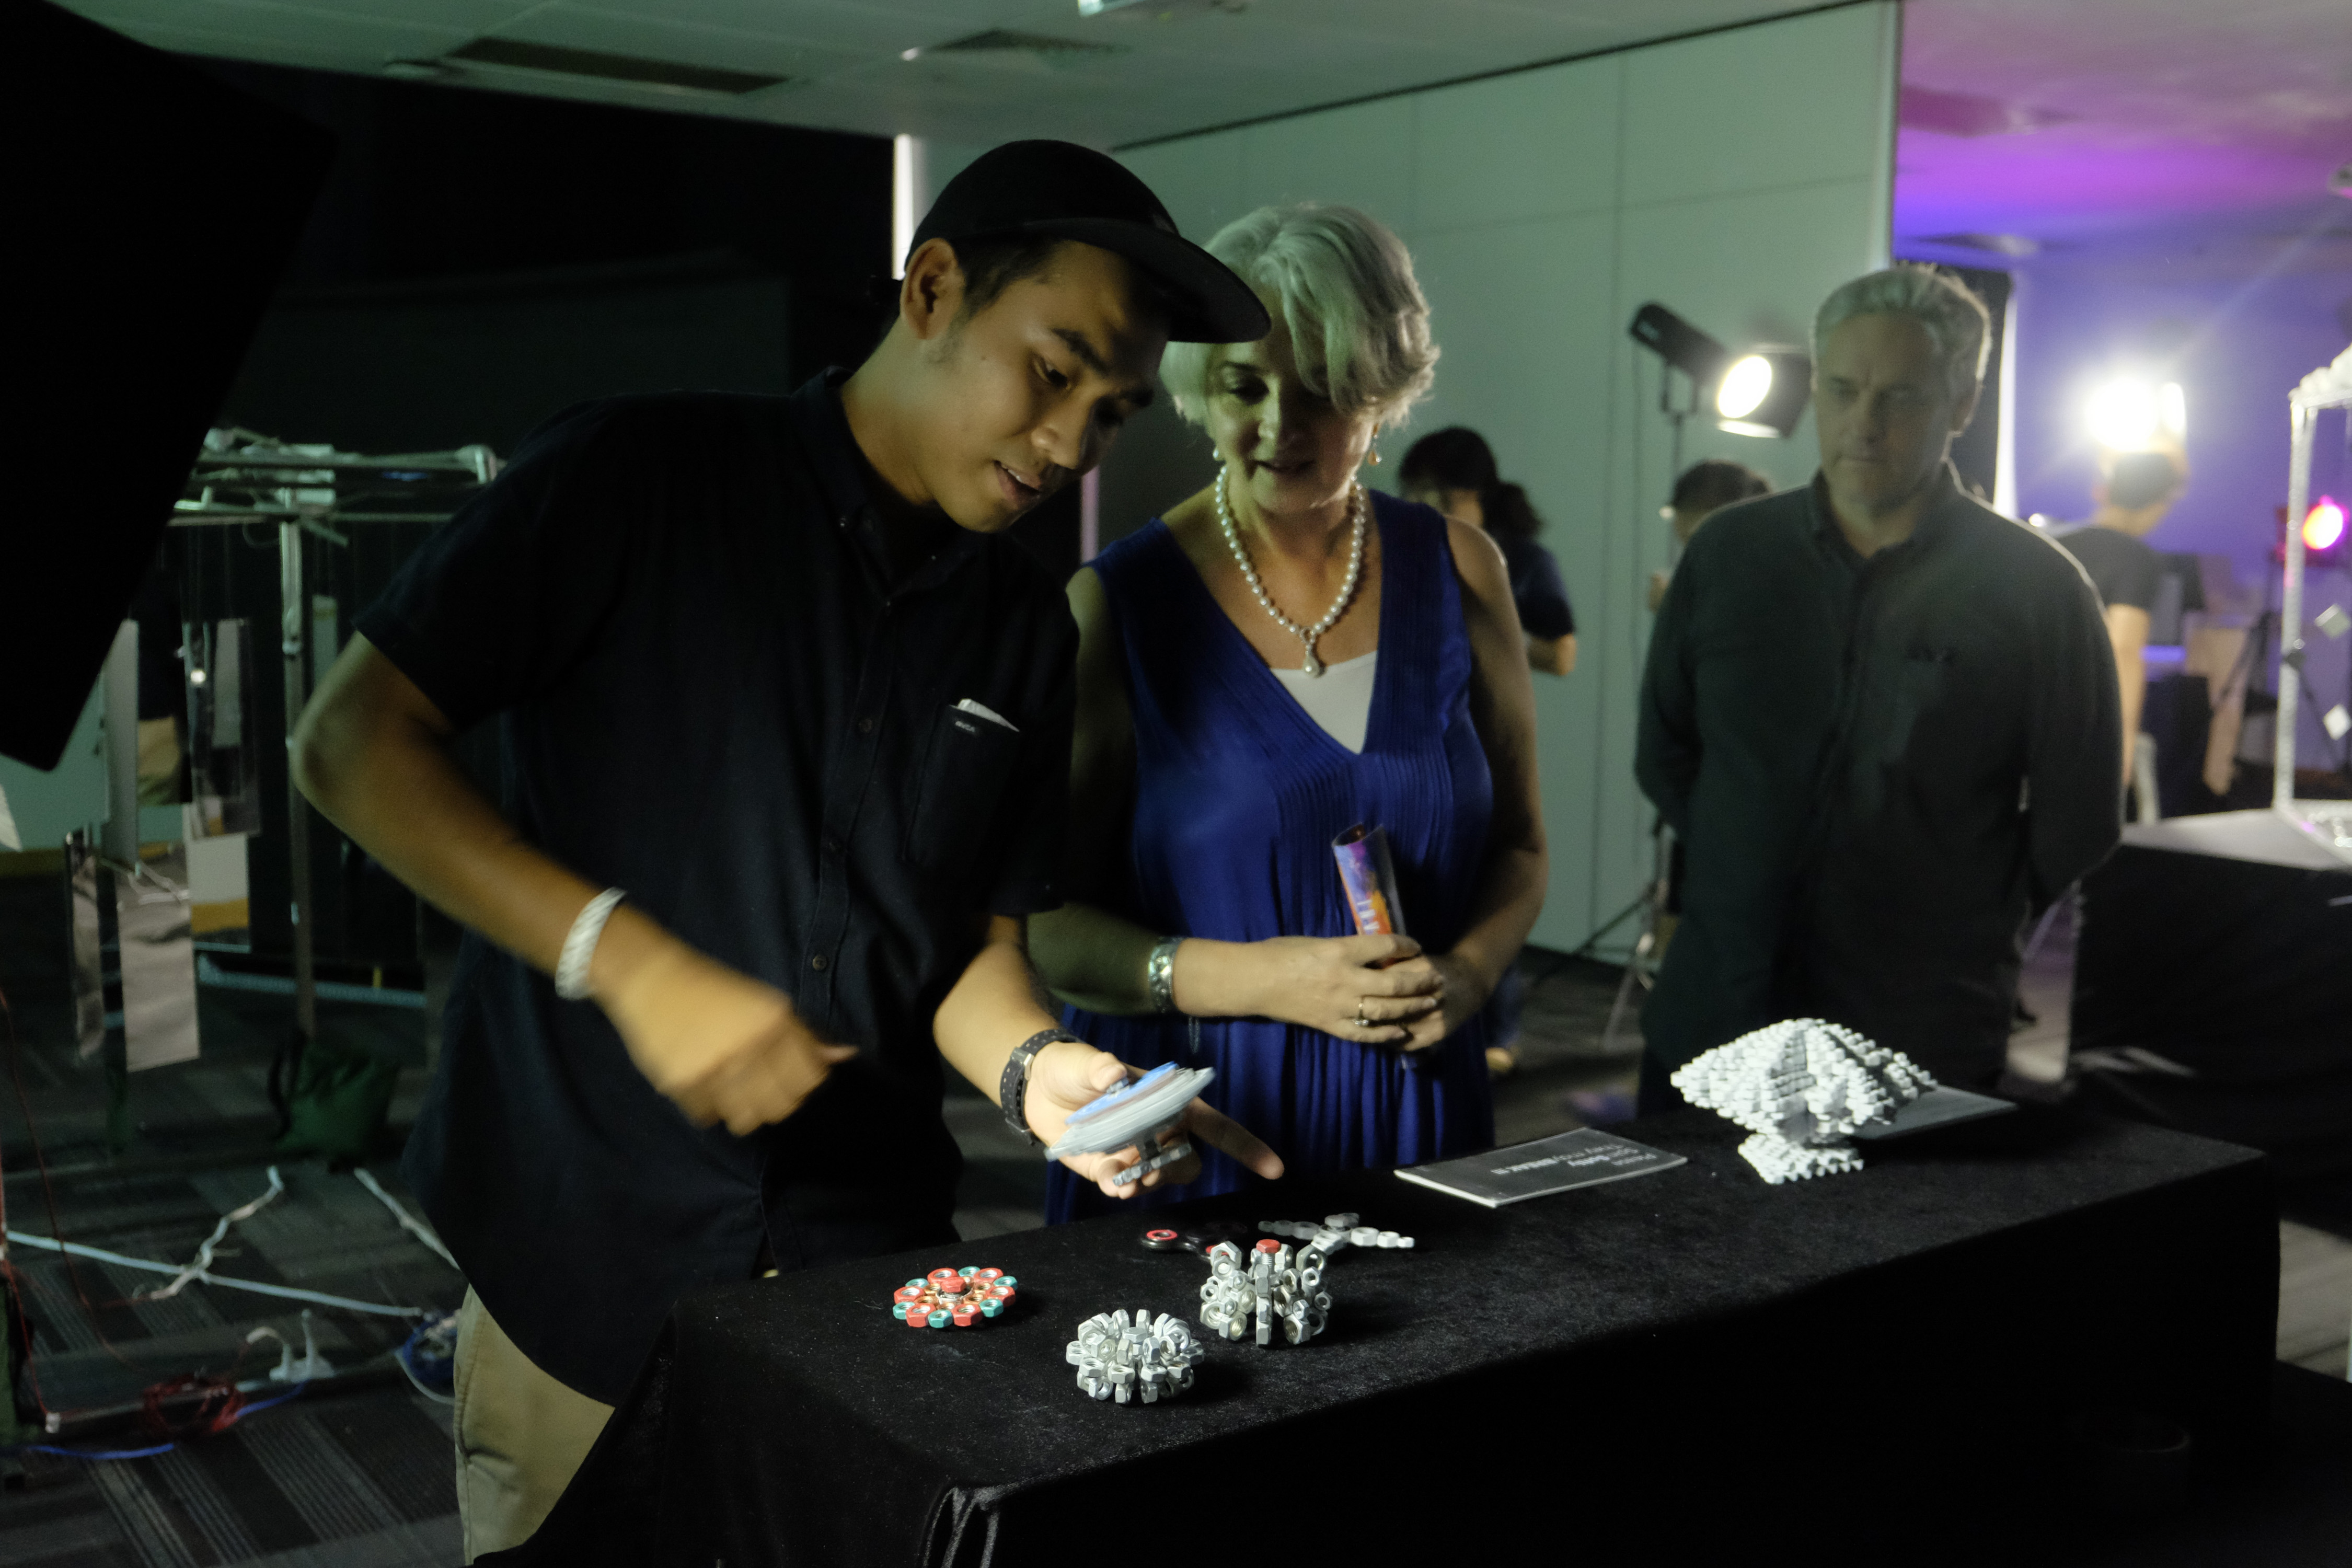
1745	386
1764	393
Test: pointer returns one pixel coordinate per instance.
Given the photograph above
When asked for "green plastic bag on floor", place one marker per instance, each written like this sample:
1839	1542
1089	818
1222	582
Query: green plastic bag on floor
336	1104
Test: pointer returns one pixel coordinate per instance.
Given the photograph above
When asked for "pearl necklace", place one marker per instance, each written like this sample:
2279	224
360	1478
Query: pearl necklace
1307	636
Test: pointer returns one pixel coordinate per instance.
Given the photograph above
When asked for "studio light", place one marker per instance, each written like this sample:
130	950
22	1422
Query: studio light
1760	393
2129	415
2322	525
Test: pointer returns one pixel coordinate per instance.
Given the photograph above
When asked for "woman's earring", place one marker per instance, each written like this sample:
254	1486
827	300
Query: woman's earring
1376	449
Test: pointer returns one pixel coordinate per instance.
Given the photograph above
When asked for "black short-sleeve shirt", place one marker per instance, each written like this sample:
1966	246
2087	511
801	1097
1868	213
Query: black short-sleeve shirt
713	692
2125	570
1537	589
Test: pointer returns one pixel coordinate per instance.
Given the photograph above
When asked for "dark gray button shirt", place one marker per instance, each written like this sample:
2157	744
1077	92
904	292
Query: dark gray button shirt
1878	768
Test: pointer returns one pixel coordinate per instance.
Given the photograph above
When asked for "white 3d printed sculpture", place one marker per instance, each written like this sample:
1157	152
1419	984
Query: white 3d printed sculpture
1268	1282
1122	1358
1801	1087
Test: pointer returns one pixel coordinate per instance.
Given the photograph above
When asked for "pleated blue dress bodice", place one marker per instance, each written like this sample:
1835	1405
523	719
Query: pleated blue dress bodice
1238	795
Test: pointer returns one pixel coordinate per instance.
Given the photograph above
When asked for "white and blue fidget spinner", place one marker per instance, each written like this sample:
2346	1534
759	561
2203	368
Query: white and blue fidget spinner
1134	1115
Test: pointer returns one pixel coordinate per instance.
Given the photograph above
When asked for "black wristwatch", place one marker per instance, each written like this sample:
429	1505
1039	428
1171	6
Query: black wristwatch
1013	1091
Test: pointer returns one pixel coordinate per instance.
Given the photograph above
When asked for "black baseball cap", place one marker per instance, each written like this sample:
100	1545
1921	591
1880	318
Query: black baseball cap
1061	190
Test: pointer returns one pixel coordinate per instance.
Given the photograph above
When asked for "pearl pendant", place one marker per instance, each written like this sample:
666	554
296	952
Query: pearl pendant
1313	666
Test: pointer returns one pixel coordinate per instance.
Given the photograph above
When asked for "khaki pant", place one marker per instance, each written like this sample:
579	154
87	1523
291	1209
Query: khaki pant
520	1434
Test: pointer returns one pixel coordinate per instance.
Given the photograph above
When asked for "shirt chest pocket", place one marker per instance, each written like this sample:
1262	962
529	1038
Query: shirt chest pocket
968	765
1919	706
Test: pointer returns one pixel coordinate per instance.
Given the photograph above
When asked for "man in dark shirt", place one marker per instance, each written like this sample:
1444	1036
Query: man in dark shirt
2139	489
1881	717
767	665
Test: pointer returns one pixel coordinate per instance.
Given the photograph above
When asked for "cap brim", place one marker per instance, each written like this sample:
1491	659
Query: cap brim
1208	302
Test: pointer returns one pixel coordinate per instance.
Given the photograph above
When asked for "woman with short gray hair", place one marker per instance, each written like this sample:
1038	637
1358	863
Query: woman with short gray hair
1277	659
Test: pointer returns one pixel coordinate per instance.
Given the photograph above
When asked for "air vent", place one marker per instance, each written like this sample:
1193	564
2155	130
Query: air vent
1159	10
1970	114
1004	41
518	55
1992	243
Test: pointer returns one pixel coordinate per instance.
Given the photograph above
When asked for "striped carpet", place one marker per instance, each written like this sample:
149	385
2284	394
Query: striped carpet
354	1472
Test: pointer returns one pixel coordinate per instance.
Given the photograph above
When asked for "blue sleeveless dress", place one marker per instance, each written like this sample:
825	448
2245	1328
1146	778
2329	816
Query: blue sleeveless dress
1238	796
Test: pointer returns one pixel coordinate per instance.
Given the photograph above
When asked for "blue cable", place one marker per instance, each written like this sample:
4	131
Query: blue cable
245	1410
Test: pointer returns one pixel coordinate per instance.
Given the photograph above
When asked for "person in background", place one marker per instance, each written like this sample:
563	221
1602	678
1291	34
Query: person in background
1882	717
1701	490
1705	487
1453	470
2139	489
1281	657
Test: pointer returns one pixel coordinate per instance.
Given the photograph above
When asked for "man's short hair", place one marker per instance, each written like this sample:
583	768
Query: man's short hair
1343	285
1956	321
1715	482
2142	480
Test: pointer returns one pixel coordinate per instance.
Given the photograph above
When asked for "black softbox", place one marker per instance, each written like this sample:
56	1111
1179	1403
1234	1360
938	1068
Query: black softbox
153	211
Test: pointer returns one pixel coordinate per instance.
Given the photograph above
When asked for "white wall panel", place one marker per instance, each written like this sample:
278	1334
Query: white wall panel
1735	178
1537	145
1199	180
1361	155
1786	103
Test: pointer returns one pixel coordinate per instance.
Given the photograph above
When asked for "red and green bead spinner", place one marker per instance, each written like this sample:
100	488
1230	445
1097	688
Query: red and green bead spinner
953	1298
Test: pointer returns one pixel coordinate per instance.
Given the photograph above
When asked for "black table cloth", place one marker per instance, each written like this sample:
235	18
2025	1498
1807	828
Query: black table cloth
1684	1358
2222	944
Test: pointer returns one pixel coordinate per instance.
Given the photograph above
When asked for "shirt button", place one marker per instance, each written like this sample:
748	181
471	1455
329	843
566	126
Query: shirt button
866	726
832	843
817	962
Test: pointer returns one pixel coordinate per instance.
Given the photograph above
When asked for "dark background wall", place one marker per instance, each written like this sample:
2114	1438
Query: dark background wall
479	260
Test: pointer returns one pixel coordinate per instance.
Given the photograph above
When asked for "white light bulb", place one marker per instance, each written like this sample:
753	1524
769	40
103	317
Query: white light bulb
1745	387
2124	416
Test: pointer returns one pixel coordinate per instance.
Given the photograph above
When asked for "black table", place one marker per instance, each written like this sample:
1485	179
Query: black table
2223	944
1684	1358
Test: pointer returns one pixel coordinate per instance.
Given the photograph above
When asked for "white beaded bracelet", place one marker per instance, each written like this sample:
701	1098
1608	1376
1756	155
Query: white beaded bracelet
580	946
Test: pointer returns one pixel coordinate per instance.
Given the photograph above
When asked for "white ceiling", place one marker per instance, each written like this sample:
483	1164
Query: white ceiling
2196	125
2064	122
1184	65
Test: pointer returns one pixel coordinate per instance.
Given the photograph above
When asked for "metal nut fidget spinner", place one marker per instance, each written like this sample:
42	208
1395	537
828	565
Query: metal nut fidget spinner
1270	1283
1127	1358
952	1298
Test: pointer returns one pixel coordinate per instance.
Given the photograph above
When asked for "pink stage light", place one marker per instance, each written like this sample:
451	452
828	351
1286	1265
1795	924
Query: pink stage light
2322	525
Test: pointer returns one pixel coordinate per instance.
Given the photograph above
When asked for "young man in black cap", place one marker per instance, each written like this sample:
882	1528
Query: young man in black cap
763	663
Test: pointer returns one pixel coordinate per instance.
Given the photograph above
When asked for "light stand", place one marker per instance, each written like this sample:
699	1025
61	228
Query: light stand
242	479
